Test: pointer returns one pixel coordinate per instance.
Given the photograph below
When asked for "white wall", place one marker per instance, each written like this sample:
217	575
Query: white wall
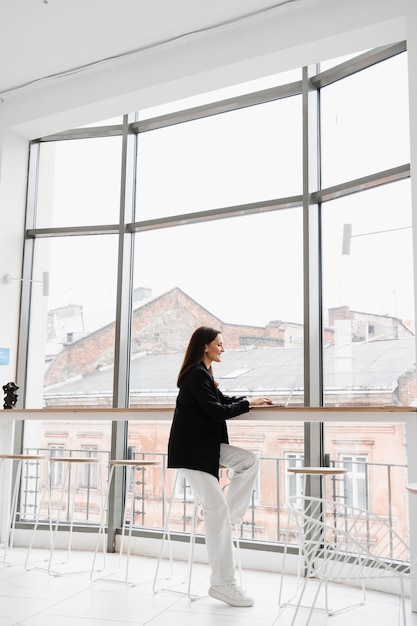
306	32
13	175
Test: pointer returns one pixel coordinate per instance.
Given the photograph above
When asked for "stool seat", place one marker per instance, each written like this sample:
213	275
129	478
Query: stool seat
412	487
23	457
73	459
133	462
318	471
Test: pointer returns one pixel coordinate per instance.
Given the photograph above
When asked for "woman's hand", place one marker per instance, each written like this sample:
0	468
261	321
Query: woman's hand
259	401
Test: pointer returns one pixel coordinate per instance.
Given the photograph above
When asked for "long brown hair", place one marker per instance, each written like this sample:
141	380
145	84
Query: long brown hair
195	350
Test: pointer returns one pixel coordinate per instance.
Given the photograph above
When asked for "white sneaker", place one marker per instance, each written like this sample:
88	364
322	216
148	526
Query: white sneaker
231	594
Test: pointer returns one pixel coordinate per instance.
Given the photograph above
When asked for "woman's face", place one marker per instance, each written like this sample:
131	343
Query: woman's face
213	350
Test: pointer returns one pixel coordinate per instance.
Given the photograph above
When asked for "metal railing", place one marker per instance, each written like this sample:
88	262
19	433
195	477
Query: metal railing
382	486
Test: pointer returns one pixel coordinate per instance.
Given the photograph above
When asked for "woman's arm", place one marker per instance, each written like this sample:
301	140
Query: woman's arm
210	399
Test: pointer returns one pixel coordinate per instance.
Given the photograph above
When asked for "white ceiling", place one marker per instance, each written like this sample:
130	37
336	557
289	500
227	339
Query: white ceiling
42	38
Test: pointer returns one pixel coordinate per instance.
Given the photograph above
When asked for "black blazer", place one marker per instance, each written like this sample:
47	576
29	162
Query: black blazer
199	424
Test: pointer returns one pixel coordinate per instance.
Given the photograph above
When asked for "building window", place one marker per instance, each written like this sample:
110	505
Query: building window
57	469
183	490
294	485
355	483
89	474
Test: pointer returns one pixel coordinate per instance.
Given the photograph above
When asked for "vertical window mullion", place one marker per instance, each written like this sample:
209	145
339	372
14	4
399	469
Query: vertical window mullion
123	326
313	362
28	250
124	271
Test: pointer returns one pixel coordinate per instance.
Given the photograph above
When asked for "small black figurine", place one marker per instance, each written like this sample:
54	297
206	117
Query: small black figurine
10	395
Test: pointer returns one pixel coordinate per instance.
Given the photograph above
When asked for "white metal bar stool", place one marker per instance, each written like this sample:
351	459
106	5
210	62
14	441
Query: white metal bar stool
322	473
68	487
131	466
19	460
193	533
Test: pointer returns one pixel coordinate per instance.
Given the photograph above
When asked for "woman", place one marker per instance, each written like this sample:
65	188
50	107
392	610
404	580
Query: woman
199	443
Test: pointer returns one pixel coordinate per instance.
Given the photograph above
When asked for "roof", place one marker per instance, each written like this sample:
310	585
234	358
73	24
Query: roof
375	365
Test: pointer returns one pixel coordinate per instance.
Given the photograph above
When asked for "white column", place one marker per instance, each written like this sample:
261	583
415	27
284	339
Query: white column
412	422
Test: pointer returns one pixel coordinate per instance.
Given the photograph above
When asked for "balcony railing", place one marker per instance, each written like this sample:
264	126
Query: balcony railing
380	487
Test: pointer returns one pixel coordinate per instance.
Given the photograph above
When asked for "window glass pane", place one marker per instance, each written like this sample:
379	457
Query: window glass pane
375	455
221	274
61	438
266	82
72	330
364	122
368	288
369	354
245	156
208	277
79	182
326	65
70	364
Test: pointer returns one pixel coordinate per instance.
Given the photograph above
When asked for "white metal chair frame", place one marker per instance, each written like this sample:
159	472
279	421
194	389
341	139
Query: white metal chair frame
343	543
322	472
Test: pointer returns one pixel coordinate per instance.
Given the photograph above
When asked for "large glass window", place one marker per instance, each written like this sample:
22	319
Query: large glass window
240	258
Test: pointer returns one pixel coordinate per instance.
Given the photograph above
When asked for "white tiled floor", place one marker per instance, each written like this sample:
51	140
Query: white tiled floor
34	598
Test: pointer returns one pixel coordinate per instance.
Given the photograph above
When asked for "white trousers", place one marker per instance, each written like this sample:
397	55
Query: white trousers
223	509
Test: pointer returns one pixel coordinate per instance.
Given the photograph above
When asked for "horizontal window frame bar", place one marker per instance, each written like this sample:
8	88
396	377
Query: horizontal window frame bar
38	233
288	90
84	133
364	183
357	64
401	172
222	106
178	117
216	214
